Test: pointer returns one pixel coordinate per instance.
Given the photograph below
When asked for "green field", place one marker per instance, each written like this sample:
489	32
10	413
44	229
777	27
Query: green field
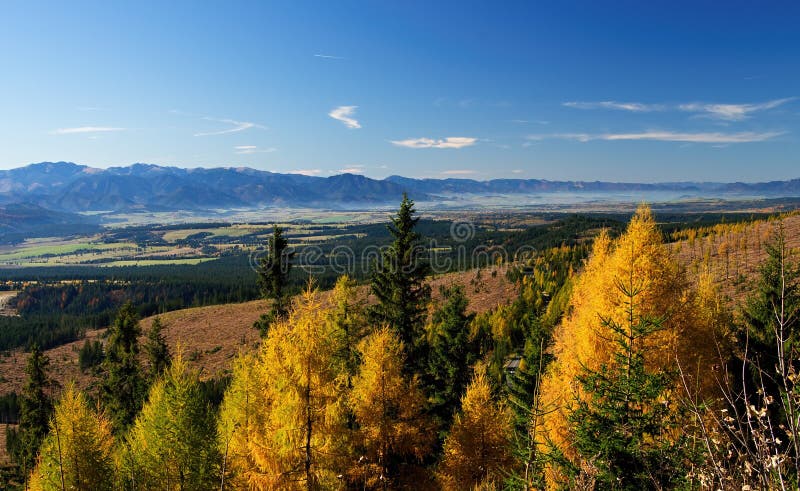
63	249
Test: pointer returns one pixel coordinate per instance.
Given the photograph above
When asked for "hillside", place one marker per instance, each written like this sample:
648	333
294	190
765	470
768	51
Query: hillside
211	336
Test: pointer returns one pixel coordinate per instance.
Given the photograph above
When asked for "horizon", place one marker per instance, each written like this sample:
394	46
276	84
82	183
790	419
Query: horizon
578	91
358	174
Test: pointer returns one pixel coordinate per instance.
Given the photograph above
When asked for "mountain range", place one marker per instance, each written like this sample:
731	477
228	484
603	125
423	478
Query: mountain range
69	187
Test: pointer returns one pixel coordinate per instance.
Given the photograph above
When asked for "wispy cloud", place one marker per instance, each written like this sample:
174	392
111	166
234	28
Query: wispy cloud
666	136
344	114
517	171
236	126
727	112
619	106
449	142
732	112
526	121
328	57
251	149
458	172
353	169
86	129
306	172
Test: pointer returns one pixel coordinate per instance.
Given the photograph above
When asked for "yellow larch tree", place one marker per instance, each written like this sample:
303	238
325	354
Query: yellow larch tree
283	421
639	257
388	407
477	451
77	453
172	444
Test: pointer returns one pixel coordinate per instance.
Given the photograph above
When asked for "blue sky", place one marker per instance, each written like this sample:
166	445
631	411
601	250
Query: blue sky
636	91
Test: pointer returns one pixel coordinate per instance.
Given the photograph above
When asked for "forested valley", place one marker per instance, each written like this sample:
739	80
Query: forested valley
623	362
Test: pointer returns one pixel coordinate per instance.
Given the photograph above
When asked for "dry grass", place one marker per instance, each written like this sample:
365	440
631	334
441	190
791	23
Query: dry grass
210	337
4	457
733	254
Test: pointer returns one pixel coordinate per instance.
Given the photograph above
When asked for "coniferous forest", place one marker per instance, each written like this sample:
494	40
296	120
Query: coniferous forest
615	367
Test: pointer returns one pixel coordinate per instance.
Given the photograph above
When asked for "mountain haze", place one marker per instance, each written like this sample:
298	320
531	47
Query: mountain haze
70	187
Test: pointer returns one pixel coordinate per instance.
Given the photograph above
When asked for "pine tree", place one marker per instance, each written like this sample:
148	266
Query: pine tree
450	354
349	325
77	452
778	288
157	350
273	274
626	432
122	390
35	410
389	411
398	282
478	450
90	355
172	444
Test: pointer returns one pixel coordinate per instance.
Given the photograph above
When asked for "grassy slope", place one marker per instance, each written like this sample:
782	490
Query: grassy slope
211	336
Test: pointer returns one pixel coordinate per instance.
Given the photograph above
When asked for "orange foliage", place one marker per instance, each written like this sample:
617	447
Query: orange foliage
638	257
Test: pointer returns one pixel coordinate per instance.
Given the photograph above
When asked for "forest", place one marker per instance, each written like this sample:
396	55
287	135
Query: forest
617	366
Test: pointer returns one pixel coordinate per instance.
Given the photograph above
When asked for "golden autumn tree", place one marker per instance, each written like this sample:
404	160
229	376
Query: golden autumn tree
388	408
477	451
243	414
172	444
77	453
283	422
640	257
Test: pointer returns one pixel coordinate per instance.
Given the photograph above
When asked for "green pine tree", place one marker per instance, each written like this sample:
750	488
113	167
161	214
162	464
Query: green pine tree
398	282
35	410
778	288
273	278
158	354
626	430
122	390
450	354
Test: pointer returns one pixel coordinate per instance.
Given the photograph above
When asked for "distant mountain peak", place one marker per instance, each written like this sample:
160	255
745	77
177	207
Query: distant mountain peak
71	187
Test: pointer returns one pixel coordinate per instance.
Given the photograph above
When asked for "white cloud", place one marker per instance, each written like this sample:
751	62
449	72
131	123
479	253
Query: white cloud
86	129
237	126
251	149
620	106
449	142
667	136
306	172
458	172
328	57
732	112
343	114
727	112
353	169
517	171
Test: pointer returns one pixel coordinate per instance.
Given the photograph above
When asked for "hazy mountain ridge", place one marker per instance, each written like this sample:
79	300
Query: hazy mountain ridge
68	187
21	220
